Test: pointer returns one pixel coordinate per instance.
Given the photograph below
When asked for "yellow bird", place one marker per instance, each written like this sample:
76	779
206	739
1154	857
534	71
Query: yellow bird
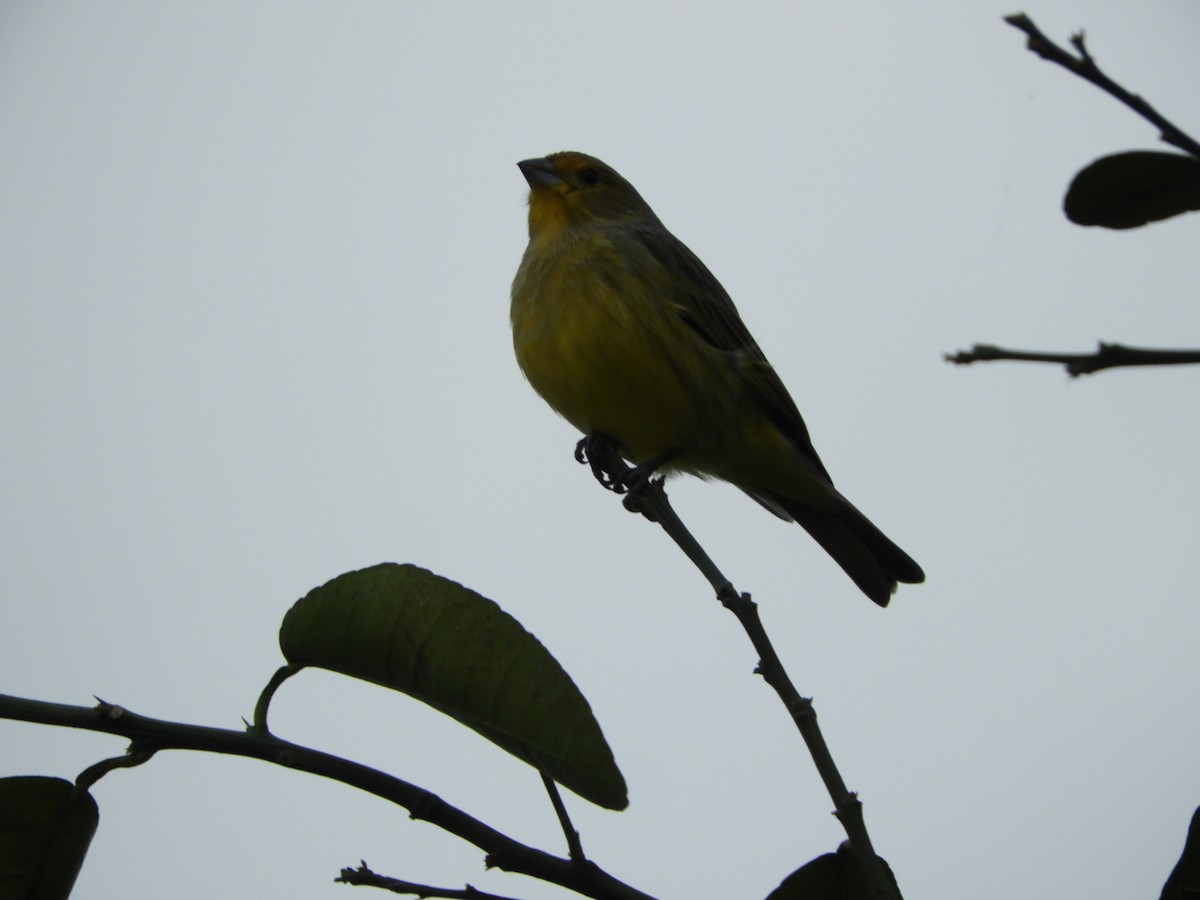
625	333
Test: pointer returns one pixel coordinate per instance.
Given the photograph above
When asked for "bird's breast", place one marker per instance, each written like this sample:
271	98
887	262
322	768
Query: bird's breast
603	346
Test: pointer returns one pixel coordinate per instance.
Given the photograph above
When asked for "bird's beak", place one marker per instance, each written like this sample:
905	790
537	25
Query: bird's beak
539	172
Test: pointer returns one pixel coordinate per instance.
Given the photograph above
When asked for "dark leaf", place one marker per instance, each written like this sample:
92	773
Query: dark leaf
46	826
1126	190
405	628
832	876
815	880
1184	881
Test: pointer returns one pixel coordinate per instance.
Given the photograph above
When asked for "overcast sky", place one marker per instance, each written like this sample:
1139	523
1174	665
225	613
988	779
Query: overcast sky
254	333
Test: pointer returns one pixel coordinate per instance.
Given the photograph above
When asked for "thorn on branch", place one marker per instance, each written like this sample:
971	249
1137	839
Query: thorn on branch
1078	41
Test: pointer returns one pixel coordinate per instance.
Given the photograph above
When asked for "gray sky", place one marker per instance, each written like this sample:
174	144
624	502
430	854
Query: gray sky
254	334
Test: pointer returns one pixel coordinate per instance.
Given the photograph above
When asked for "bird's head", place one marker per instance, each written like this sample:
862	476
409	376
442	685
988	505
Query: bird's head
570	189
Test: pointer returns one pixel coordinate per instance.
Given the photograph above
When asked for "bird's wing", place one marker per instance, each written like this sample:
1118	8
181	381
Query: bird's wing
708	310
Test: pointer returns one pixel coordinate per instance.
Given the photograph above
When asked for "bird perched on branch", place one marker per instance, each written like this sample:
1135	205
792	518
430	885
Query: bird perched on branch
626	334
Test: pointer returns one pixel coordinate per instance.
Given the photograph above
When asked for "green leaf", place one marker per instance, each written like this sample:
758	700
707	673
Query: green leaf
831	876
815	880
405	628
46	825
1184	880
1126	190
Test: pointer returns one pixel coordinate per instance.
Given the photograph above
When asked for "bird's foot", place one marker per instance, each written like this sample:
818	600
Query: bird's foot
600	452
639	481
637	488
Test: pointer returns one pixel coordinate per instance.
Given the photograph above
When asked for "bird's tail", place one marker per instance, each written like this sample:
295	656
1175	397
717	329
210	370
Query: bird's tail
862	550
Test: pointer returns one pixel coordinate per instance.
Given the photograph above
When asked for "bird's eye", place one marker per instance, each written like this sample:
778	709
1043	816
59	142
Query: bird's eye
589	176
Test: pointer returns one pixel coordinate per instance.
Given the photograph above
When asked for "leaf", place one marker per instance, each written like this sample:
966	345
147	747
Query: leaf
831	876
815	880
1126	190
405	628
46	826
1184	880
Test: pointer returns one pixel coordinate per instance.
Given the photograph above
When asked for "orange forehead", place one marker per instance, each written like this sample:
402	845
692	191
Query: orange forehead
569	162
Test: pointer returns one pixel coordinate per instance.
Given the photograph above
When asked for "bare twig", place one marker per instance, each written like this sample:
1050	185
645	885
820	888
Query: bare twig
363	876
847	806
1084	65
650	499
1107	356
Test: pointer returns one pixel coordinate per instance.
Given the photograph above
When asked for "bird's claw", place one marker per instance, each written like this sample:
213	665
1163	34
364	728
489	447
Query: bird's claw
598	451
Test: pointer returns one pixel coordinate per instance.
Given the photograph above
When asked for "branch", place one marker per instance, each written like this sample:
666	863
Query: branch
363	876
1107	356
151	735
847	806
648	497
1084	65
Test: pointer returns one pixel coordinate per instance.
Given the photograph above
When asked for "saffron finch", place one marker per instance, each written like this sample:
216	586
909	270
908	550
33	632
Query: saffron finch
626	334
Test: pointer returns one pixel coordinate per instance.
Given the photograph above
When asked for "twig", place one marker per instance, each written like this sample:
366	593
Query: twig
1107	356
650	499
1084	65
847	806
363	876
502	851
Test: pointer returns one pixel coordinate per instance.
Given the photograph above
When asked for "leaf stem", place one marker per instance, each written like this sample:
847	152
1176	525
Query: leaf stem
282	674
574	846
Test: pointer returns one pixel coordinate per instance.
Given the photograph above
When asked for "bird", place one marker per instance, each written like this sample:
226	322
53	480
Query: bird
625	333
